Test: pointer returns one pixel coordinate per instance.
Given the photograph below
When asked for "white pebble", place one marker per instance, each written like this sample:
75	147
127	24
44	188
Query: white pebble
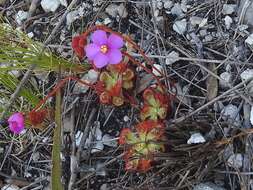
107	21
30	34
230	112
227	77
196	138
228	9
177	10
249	40
21	16
180	26
168	4
50	5
228	21
64	3
172	58
71	17
247	74
126	118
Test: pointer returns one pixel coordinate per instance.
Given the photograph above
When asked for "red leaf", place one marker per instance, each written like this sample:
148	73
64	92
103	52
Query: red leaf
123	134
78	43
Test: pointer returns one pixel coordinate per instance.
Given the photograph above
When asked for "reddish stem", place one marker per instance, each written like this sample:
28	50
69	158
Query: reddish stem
58	86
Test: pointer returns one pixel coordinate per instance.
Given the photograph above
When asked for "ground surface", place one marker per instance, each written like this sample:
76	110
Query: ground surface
204	49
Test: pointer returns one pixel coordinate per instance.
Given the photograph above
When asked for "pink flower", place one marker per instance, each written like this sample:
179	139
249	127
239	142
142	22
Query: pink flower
103	50
16	123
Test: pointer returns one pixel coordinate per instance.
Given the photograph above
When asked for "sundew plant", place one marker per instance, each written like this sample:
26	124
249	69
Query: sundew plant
109	53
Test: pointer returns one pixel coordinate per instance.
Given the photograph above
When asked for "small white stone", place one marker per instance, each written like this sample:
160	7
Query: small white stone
203	32
50	5
180	26
203	22
159	68
251	115
114	10
107	21
109	141
10	187
122	11
228	9
126	118
184	7
195	20
172	58
159	5
228	21
230	112
235	161
64	3
177	10
247	74
196	138
30	34
21	16
208	38
156	13
227	77
249	40
168	4
71	17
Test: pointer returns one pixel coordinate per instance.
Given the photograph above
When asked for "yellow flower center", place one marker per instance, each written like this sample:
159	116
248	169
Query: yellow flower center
104	48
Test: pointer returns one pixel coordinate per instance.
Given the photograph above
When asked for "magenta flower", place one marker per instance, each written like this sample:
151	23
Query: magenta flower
16	123
103	50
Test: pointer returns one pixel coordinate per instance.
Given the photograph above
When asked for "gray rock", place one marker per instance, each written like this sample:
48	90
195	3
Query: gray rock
180	26
71	17
249	40
177	10
21	16
229	9
114	10
168	4
228	21
196	138
227	77
172	58
230	112
50	5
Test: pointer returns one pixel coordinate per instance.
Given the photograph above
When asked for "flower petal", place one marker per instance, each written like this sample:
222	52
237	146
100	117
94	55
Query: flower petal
115	41
16	117
91	51
115	56
99	37
100	60
16	123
